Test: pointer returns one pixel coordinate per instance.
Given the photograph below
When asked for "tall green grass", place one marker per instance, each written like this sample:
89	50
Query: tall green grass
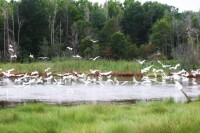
102	118
69	65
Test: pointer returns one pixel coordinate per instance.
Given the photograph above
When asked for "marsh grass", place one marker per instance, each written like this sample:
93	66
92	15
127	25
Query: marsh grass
82	66
165	116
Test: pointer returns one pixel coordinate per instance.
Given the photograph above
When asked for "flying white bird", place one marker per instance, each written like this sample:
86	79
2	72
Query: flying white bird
11	49
7	73
77	56
141	62
13	56
34	73
95	58
47	69
94	71
43	58
178	85
146	69
106	73
70	48
94	41
175	67
194	82
164	66
31	56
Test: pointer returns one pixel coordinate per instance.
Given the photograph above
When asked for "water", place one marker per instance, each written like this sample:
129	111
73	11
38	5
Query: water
104	92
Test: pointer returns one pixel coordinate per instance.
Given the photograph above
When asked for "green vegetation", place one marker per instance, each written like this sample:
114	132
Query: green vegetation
61	66
114	30
165	117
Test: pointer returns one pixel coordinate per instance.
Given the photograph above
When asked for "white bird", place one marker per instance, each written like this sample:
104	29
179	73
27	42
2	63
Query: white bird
49	73
164	76
175	76
70	48
10	46
94	41
154	72
77	56
43	58
194	73
164	66
158	70
146	69
95	58
141	62
7	73
47	69
125	83
175	67
31	56
13	56
116	81
134	80
194	82
181	72
11	49
105	73
39	80
184	79
178	85
34	73
109	81
94	71
49	79
158	53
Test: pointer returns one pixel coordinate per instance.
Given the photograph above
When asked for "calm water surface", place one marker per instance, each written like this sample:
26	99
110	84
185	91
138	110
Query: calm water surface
76	92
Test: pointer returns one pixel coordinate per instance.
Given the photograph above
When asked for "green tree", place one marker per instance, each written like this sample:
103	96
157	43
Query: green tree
35	26
97	17
133	22
85	46
114	8
161	35
118	45
132	51
108	30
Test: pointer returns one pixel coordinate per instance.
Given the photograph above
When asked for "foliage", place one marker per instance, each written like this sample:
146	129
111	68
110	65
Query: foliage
132	51
44	27
161	34
133	22
86	46
118	43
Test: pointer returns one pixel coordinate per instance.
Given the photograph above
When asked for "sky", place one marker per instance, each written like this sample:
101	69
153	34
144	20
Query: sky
183	5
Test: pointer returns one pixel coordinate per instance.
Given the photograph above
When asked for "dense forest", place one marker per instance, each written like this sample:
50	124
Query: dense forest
114	30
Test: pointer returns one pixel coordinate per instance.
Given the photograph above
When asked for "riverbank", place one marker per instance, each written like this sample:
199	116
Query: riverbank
118	68
151	117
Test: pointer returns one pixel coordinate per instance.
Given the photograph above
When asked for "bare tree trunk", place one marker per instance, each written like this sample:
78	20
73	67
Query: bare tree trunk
60	34
67	28
13	29
20	23
4	28
52	19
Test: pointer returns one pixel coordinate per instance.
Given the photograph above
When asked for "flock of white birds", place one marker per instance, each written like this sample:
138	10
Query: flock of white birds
96	77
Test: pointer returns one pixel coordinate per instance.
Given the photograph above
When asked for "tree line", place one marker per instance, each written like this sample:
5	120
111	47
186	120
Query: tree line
113	30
